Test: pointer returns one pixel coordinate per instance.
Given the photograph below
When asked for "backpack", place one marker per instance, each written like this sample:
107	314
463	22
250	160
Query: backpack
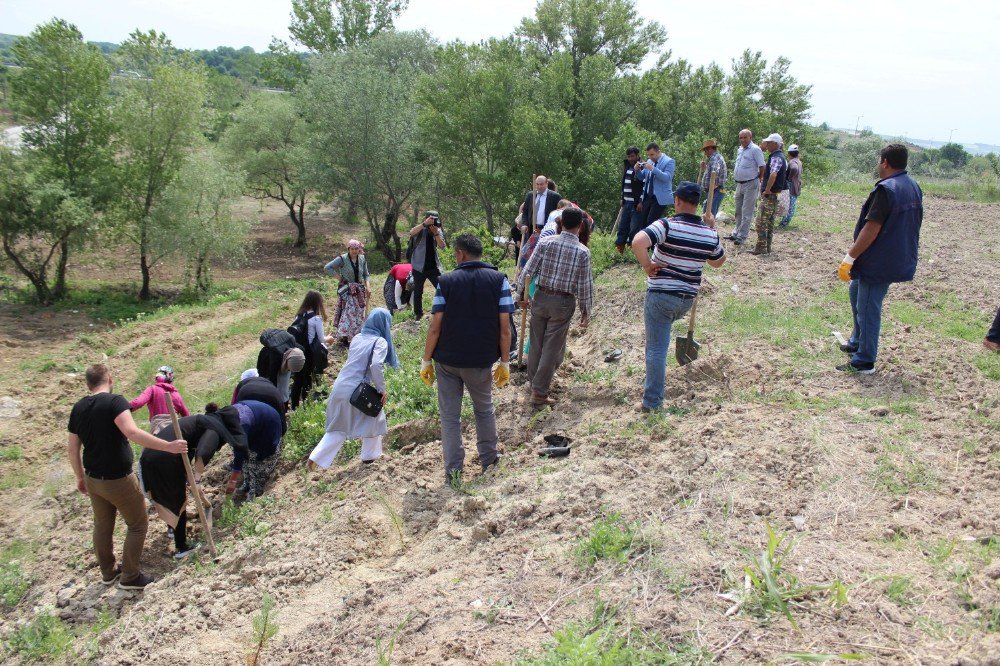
299	330
278	340
317	355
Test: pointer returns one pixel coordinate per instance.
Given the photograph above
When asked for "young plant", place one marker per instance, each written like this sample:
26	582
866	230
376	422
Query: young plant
385	651
610	538
397	520
264	629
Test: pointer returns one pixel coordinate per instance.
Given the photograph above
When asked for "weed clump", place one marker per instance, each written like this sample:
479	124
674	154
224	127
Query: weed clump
610	538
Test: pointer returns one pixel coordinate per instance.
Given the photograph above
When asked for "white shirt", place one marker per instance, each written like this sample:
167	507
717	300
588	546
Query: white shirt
539	201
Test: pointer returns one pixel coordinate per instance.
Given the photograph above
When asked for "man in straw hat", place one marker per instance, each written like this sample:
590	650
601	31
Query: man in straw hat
775	180
713	163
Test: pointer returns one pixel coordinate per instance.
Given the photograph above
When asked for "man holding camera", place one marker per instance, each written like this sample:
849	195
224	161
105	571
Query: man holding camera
426	239
657	174
469	332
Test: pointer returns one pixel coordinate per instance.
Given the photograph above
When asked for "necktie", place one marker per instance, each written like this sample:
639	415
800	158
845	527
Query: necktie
534	218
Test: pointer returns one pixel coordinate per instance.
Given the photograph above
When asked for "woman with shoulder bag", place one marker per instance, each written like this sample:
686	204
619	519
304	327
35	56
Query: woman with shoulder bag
360	377
353	290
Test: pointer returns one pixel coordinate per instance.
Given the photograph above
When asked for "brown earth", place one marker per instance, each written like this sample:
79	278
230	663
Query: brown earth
879	479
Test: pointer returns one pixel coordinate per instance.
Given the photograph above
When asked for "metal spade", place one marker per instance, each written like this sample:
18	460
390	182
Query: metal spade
686	347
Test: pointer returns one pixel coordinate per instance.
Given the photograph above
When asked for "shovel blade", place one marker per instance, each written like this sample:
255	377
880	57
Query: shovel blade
686	349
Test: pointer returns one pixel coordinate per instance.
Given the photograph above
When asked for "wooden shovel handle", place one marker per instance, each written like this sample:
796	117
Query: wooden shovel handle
195	492
694	309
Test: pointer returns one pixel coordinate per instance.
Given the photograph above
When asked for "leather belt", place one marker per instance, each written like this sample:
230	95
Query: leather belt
553	292
741	182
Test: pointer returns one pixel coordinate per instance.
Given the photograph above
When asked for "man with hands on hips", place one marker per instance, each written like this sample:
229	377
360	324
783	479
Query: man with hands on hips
886	238
468	334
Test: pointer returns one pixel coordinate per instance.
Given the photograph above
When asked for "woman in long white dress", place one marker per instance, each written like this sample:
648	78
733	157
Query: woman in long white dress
371	350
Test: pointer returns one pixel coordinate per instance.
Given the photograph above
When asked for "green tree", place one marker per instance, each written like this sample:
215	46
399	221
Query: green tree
360	106
157	119
281	67
38	216
194	217
481	127
955	153
268	141
61	91
330	25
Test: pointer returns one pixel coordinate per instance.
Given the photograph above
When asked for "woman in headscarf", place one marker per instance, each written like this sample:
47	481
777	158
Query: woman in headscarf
262	424
155	397
370	352
164	474
354	290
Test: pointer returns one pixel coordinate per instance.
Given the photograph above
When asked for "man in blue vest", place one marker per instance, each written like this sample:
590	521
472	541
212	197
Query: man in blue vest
657	175
884	251
469	332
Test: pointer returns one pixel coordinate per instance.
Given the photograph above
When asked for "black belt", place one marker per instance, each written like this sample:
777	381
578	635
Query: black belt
553	292
740	182
108	478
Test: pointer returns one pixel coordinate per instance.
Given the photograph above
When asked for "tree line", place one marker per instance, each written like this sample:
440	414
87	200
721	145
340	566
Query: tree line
378	121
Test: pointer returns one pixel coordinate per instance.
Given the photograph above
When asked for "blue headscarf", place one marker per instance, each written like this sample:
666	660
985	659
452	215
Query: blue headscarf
379	323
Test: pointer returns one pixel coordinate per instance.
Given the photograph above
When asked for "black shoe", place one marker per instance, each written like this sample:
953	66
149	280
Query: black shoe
138	583
493	466
858	369
738	242
848	349
115	575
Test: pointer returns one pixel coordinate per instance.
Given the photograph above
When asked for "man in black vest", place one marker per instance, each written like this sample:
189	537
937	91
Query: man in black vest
469	332
886	238
774	181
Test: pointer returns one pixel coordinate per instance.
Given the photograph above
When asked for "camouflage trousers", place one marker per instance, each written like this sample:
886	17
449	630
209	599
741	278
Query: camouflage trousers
765	223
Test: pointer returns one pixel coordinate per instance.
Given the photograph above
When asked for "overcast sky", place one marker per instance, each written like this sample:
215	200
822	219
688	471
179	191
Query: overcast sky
915	68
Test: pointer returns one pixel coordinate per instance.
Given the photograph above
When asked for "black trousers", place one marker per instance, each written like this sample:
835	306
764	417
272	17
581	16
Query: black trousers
653	210
301	385
994	334
418	290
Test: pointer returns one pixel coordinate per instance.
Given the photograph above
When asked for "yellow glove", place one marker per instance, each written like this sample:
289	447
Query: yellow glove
844	272
427	372
501	375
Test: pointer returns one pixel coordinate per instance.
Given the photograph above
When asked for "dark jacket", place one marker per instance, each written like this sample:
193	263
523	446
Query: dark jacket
262	390
470	329
893	255
636	182
551	202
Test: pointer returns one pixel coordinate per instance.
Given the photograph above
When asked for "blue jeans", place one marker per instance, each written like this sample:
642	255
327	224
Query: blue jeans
866	307
625	232
662	310
792	198
716	202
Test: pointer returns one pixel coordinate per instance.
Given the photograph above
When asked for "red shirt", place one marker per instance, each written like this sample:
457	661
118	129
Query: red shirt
400	272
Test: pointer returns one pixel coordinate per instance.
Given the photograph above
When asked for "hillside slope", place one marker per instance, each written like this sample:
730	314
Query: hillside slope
888	485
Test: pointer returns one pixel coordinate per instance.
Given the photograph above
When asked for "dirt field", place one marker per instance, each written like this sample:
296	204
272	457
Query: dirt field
888	485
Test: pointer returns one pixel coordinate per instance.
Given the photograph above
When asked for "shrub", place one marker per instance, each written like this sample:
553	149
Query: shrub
44	638
306	427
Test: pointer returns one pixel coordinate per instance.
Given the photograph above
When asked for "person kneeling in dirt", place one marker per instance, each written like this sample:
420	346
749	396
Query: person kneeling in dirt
371	350
469	332
155	397
101	424
681	246
398	288
262	425
563	267
886	238
166	480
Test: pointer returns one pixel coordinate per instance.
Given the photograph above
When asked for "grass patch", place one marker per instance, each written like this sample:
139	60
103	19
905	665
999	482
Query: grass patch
10	453
14	582
306	427
988	363
898	472
780	324
900	590
246	519
45	638
14	479
610	538
945	314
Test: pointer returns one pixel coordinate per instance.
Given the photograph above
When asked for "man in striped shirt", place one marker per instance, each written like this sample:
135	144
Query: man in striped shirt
562	264
681	246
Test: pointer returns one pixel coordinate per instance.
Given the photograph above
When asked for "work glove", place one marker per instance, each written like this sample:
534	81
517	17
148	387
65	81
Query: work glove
501	375
844	272
427	372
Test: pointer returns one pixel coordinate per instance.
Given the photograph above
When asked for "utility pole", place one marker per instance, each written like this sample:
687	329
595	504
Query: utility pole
950	133
857	125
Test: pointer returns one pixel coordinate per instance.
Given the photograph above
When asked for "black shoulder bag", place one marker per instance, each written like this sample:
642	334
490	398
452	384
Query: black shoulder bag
366	397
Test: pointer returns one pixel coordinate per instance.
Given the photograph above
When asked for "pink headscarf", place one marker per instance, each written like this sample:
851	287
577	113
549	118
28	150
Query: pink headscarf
355	245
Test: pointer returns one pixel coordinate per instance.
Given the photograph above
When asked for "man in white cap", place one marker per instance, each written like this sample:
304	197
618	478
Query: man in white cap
775	180
794	182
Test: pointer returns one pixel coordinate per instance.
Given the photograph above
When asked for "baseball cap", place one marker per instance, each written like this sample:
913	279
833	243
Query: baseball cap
775	137
688	191
794	148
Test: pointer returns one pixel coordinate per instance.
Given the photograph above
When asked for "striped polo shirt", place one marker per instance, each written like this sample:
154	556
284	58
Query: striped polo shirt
681	246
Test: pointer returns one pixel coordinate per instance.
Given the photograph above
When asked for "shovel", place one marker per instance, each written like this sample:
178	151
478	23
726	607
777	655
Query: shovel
686	347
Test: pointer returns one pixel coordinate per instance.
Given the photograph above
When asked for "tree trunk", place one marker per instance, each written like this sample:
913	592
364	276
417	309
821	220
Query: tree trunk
298	219
144	267
489	219
38	280
60	288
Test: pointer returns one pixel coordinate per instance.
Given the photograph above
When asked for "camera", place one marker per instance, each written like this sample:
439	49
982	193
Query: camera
433	214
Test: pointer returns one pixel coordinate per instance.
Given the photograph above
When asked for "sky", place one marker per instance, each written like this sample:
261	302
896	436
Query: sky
913	68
